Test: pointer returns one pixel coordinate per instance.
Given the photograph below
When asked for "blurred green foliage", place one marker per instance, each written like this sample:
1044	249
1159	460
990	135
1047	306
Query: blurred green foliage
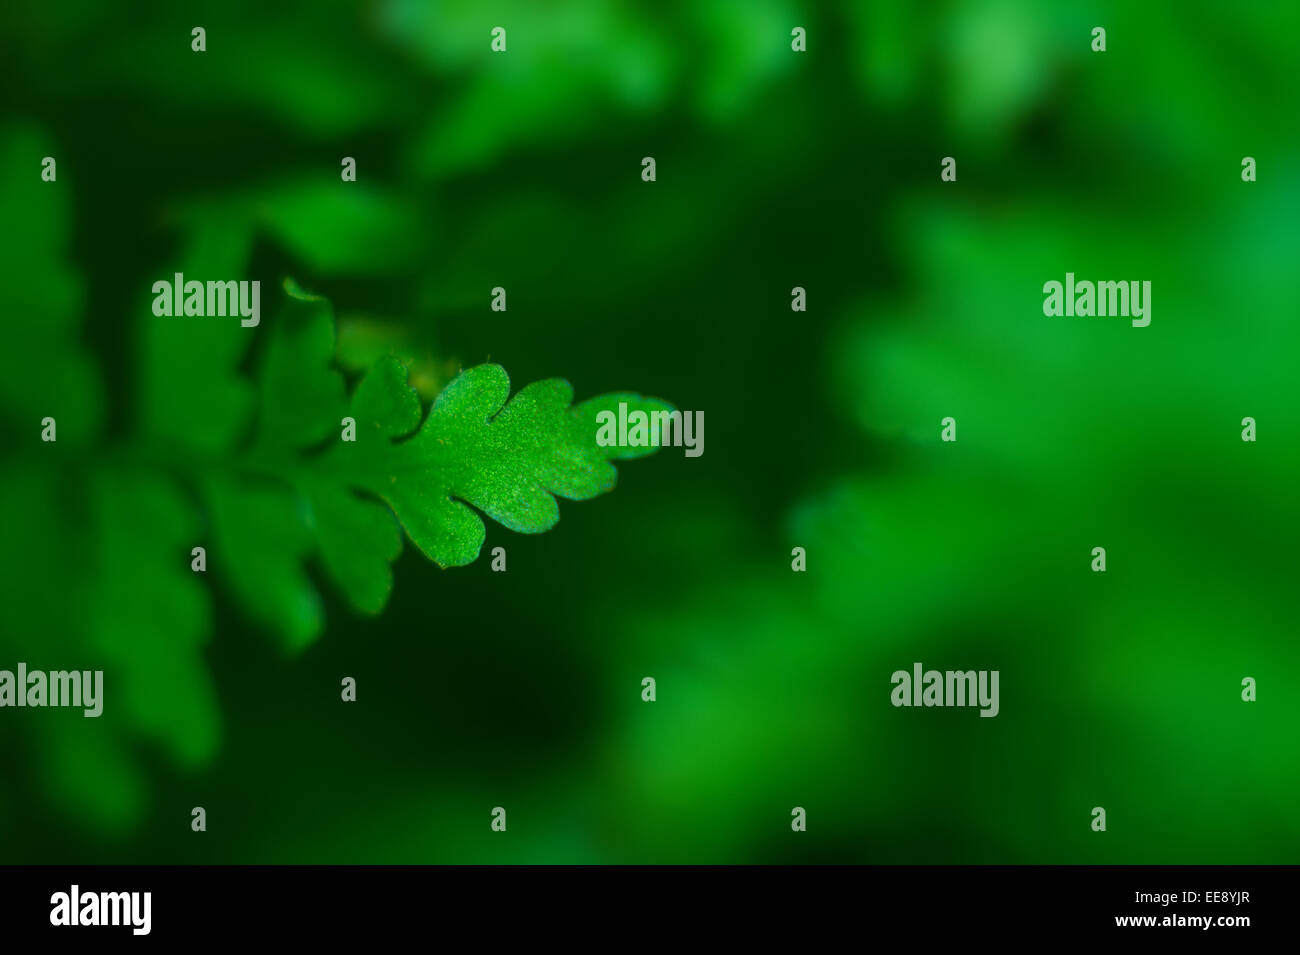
774	170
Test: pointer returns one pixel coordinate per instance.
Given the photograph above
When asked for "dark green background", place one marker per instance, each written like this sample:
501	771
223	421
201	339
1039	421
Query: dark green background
775	169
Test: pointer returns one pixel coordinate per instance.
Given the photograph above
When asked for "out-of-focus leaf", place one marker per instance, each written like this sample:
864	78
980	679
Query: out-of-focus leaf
330	226
44	371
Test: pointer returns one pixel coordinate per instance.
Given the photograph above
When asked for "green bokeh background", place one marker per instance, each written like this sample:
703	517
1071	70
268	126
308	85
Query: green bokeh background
775	169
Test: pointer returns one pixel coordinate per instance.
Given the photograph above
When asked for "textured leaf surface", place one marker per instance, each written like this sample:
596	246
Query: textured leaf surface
477	450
